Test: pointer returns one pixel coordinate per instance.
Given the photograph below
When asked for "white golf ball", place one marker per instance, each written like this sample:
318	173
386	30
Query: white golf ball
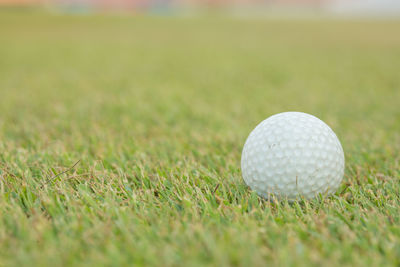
292	154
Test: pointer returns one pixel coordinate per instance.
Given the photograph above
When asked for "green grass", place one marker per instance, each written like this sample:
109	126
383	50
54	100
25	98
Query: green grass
156	110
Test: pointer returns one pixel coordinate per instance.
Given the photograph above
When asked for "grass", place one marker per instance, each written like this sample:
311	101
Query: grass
154	112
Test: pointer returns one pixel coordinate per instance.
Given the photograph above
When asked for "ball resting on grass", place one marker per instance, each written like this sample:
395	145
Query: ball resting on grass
292	155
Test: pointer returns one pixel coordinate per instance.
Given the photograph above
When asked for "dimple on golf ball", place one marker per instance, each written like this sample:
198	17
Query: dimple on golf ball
291	155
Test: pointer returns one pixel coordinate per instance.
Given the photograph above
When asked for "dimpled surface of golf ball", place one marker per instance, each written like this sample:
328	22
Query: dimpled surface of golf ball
291	155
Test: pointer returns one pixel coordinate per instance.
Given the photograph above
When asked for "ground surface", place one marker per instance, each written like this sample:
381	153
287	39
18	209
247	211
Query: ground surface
156	111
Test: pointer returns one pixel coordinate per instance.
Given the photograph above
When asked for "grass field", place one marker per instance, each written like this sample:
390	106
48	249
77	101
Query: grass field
121	137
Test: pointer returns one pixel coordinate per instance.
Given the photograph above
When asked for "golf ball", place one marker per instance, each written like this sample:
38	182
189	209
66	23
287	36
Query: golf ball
291	155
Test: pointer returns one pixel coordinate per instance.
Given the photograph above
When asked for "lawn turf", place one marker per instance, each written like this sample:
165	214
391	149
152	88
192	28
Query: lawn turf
121	136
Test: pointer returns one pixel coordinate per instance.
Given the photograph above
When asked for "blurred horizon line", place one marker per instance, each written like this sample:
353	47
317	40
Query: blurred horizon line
246	7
